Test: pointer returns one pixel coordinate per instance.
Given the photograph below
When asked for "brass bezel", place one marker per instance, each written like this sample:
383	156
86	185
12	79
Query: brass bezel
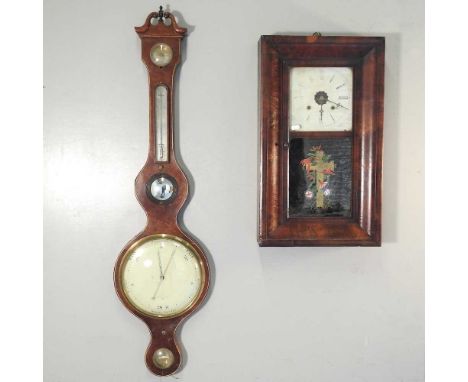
161	236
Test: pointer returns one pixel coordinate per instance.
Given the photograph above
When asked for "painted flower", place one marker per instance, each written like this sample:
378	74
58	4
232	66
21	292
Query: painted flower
306	163
322	185
309	194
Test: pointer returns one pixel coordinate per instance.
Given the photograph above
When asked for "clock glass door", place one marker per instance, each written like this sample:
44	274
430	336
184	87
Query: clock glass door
320	116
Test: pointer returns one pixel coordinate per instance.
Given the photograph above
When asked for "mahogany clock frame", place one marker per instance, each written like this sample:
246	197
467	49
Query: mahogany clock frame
162	218
365	55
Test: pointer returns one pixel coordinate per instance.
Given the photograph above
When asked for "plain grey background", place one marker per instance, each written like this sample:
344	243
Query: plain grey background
275	314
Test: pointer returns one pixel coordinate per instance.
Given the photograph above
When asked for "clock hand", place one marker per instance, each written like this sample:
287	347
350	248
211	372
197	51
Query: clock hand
321	98
337	104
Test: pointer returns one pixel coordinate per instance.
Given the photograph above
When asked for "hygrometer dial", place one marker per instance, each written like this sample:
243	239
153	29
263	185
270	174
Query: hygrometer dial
161	54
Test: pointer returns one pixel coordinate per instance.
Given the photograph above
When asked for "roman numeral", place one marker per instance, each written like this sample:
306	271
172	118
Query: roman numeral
340	86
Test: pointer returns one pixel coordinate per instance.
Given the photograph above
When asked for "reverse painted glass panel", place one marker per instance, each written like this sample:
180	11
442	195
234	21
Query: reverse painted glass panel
320	172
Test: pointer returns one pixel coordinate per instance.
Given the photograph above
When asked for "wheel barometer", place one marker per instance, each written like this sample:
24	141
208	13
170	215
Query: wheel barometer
162	275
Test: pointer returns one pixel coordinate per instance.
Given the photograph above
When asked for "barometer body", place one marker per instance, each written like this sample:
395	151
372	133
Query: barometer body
162	274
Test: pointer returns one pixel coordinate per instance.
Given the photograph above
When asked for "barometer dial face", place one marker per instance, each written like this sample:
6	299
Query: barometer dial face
320	99
162	276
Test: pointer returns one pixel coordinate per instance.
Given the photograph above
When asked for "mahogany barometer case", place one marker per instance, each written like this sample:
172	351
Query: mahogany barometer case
321	122
162	274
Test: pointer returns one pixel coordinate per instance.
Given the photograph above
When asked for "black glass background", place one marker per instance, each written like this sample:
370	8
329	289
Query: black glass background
336	194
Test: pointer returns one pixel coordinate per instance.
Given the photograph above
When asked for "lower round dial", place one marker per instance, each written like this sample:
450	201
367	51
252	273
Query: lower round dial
162	275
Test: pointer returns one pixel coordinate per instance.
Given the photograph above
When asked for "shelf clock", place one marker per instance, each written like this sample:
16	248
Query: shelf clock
162	275
321	115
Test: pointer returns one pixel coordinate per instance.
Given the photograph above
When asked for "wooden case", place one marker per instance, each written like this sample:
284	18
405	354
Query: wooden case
162	217
365	55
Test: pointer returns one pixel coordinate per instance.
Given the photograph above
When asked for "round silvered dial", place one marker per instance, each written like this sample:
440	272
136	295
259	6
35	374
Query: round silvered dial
162	275
162	188
161	54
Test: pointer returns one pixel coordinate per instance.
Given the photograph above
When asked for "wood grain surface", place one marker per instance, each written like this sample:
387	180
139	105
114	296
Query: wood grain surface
365	55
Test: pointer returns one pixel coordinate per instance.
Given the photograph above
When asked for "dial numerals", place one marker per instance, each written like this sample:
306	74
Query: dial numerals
321	99
162	277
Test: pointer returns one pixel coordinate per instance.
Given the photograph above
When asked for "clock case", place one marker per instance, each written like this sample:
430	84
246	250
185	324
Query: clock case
365	55
162	218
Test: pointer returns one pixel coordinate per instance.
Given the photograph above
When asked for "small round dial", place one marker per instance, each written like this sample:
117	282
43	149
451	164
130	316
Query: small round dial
161	54
162	188
162	275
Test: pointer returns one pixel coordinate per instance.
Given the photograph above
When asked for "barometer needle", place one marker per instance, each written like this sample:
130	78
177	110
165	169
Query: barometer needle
170	260
157	290
163	275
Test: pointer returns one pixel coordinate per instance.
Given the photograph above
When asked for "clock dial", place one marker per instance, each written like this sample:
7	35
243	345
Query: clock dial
161	54
162	276
321	99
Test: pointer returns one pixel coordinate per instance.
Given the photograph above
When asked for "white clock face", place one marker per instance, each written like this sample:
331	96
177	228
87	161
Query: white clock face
320	99
162	276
